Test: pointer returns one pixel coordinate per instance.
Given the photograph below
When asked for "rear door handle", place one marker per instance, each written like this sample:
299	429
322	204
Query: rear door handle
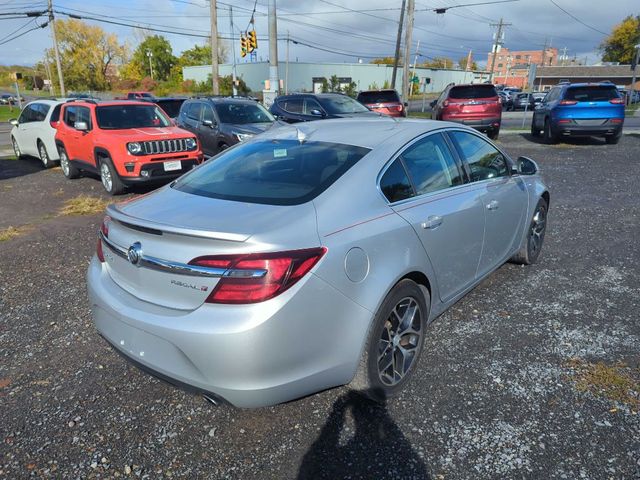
433	221
493	205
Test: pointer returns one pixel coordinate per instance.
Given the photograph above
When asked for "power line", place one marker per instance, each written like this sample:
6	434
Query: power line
578	20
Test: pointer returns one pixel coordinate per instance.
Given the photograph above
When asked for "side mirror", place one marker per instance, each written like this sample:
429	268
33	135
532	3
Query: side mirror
433	103
526	166
82	126
208	123
317	113
14	122
406	104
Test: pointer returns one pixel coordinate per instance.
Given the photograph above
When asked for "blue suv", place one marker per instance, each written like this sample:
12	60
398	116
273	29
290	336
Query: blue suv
580	109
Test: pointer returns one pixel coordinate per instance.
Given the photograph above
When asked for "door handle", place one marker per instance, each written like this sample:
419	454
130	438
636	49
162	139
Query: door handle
433	221
493	205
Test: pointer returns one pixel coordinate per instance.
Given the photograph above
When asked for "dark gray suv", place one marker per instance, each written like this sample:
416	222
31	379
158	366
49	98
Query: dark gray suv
220	122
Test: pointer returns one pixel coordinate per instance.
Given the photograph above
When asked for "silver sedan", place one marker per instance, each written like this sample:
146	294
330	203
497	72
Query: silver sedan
312	256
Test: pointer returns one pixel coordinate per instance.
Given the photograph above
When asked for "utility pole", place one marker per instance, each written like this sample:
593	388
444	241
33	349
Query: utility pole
215	87
411	5
286	69
63	92
274	82
396	58
634	66
467	66
497	43
564	55
233	49
544	54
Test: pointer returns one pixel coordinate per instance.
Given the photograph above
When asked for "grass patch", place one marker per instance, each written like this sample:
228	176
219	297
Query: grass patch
12	232
6	114
420	115
618	382
84	205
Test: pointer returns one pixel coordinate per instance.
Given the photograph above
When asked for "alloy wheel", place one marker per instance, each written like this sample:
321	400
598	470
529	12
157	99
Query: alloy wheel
105	176
399	342
43	155
64	162
538	226
16	148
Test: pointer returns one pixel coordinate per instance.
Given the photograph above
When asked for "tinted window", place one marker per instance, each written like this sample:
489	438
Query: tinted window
293	105
70	115
484	160
242	113
55	115
27	115
116	117
40	112
193	110
385	96
84	115
591	94
171	107
342	104
276	172
309	105
395	183
207	113
473	91
431	165
552	95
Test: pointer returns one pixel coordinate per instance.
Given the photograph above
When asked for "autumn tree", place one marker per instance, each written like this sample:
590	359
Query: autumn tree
384	61
462	63
87	54
438	62
620	45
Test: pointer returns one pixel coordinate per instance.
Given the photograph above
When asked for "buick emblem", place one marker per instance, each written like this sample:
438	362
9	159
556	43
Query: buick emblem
134	253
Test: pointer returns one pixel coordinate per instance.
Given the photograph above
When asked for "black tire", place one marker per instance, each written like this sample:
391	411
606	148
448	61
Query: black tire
44	155
535	132
68	169
109	177
530	251
493	133
548	135
368	379
16	149
613	140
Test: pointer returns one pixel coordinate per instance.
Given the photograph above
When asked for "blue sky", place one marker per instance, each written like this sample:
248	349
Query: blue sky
339	33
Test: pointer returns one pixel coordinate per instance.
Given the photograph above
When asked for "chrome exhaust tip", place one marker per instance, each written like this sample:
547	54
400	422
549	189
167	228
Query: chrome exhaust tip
211	400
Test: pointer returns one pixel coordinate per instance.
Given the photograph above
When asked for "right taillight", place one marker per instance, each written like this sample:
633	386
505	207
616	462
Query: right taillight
256	277
104	229
568	102
617	101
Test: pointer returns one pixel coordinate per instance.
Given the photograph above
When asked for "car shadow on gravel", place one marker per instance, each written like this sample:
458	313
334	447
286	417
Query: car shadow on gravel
569	141
369	446
11	168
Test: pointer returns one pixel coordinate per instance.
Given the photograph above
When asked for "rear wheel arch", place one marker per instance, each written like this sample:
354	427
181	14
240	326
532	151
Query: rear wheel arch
547	197
418	277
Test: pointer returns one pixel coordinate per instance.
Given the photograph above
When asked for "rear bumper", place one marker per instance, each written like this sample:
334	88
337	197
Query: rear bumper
305	340
484	123
573	129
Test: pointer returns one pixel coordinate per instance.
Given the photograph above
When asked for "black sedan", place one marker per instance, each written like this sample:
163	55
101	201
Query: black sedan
304	107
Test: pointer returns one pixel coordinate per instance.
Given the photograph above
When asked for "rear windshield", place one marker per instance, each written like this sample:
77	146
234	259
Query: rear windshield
171	107
342	104
591	94
115	117
387	96
274	172
242	113
473	91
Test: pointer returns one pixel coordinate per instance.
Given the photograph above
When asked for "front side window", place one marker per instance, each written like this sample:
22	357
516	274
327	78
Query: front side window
274	172
484	160
292	105
243	113
84	115
431	165
120	117
193	110
70	116
27	115
309	105
341	104
395	184
207	114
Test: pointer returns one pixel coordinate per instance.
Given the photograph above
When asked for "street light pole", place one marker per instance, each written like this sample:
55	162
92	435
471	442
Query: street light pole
150	54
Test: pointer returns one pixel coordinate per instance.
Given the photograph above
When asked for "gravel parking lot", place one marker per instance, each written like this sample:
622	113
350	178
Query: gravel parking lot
534	374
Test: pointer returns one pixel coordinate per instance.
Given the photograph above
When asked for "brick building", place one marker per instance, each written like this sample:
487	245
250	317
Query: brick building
512	67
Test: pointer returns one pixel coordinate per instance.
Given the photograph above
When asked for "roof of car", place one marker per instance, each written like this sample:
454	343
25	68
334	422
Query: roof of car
223	99
48	101
106	103
364	132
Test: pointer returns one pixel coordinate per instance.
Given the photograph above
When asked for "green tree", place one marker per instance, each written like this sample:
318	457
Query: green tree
201	55
350	89
334	84
462	63
620	45
88	55
162	58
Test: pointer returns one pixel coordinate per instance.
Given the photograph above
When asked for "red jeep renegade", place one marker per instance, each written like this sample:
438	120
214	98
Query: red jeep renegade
124	142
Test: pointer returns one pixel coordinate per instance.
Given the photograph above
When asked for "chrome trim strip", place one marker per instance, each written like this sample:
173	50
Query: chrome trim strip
178	268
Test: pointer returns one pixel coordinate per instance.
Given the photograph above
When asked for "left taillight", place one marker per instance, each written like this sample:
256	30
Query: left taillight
104	229
617	101
256	277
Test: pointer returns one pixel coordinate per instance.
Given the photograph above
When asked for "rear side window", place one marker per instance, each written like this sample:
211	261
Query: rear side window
591	94
274	172
431	165
385	96
473	91
55	115
395	184
485	161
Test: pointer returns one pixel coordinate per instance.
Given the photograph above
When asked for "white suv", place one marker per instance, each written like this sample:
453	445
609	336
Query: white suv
34	132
